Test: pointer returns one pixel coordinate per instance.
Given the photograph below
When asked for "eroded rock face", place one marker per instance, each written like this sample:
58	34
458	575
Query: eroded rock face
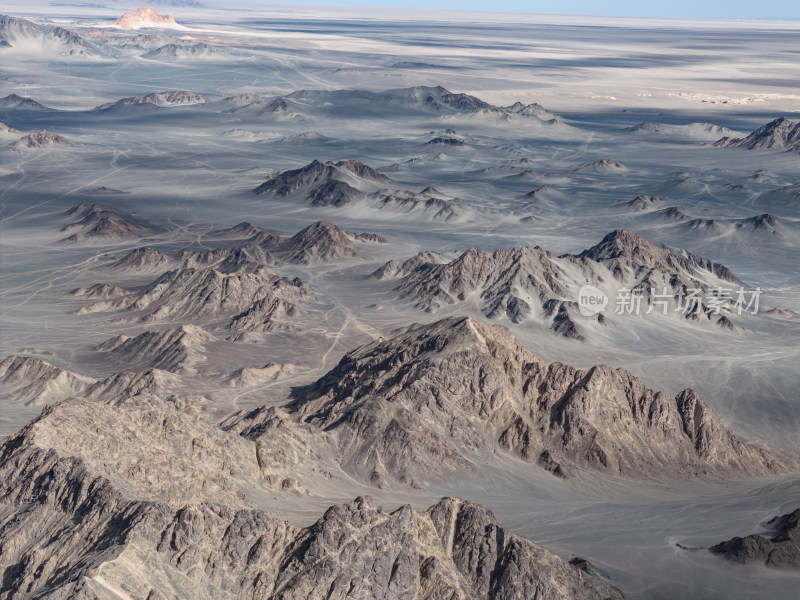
319	241
257	299
531	283
779	550
151	501
778	134
40	139
33	381
171	98
97	221
436	398
175	350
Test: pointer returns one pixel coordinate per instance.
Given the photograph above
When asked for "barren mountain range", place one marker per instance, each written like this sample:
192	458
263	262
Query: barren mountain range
320	303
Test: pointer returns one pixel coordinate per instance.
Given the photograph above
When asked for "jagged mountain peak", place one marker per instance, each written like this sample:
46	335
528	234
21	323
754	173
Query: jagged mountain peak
319	241
437	397
780	133
624	247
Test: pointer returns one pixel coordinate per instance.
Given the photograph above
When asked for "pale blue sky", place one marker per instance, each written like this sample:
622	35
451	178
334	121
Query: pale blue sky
708	9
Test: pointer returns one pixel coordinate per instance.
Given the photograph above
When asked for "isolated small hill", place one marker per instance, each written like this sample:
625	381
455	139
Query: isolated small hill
604	165
781	134
440	398
779	549
319	241
175	98
143	259
100	222
338	184
145	17
642	202
40	139
316	173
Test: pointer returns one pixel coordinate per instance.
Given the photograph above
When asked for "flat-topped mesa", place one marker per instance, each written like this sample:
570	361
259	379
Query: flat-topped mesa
144	17
779	549
780	134
437	397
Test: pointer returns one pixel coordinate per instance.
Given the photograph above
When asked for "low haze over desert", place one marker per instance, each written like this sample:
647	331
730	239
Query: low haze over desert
324	302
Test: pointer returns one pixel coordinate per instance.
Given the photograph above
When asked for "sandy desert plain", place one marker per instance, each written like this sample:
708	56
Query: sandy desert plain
275	280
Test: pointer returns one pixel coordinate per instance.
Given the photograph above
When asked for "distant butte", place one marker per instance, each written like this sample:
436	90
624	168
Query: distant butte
144	17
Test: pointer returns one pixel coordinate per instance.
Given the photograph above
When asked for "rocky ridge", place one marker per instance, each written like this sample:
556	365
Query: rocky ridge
780	134
523	283
779	550
443	397
34	381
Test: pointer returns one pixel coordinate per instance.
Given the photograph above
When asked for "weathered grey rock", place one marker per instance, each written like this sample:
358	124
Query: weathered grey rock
40	139
318	175
175	350
531	283
97	221
173	98
780	550
778	134
437	398
143	259
508	282
147	500
319	241
257	299
33	381
9	130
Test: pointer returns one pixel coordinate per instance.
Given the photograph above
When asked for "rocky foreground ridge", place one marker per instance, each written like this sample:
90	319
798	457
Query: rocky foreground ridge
151	502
